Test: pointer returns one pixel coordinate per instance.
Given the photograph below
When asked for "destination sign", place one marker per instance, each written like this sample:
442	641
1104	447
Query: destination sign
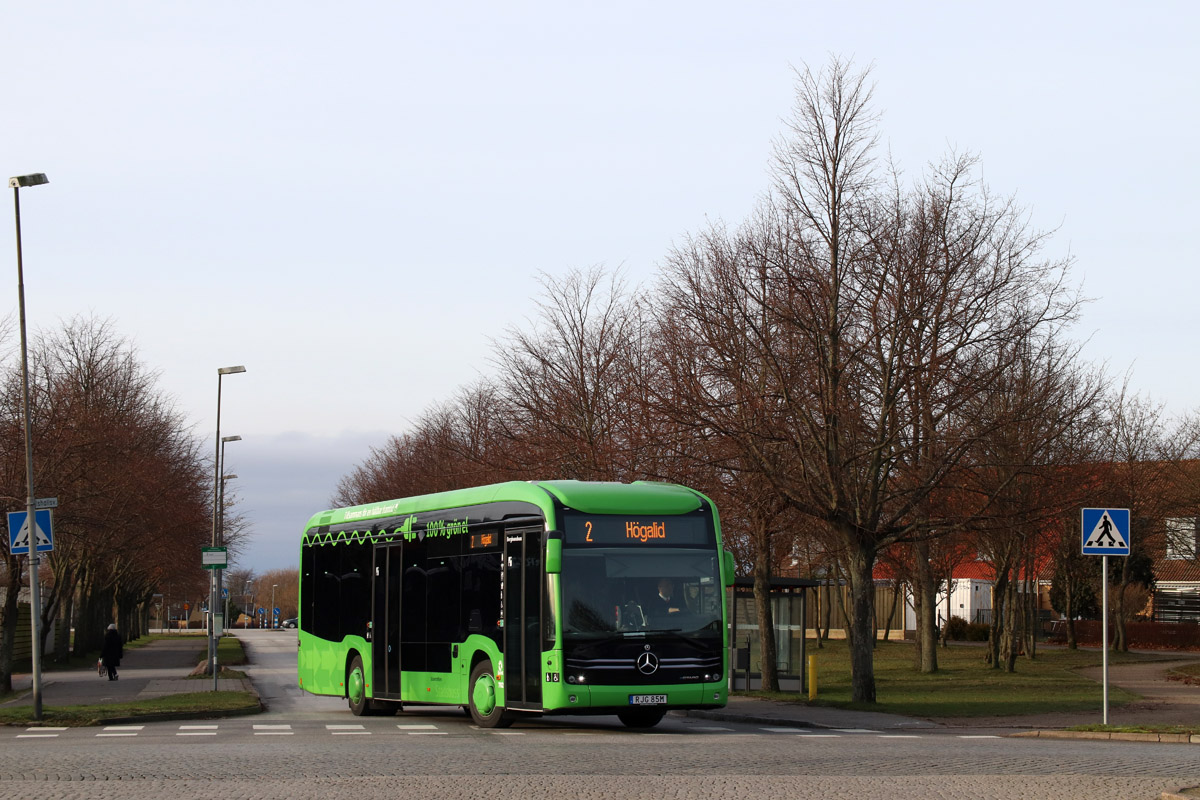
480	541
609	530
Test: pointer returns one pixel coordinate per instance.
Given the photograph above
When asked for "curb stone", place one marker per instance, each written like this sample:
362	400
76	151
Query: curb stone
1162	738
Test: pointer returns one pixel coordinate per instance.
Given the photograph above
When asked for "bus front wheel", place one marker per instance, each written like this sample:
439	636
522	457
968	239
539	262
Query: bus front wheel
356	689
641	718
485	708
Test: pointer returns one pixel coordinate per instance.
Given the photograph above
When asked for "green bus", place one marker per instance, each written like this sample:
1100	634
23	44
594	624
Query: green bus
519	598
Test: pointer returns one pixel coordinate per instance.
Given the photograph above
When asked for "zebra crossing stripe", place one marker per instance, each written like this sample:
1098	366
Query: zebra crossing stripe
121	730
197	730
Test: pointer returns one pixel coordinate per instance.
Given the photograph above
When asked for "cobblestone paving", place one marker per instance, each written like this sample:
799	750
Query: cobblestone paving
315	760
602	787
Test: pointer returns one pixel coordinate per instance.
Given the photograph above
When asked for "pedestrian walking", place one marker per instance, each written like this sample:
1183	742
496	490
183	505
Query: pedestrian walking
112	651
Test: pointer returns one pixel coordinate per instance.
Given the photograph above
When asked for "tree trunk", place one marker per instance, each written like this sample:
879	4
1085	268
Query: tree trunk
8	624
1072	639
925	601
897	590
1031	619
946	622
62	640
862	638
766	620
1120	642
999	595
1006	656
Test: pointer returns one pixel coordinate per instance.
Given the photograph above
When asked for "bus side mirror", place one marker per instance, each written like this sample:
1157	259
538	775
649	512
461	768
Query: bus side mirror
553	556
730	567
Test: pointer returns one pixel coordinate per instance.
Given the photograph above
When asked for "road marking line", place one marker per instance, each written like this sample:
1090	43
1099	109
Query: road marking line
427	733
343	727
197	727
350	733
123	727
506	733
116	734
195	733
978	737
855	730
898	736
45	728
36	735
287	727
273	733
416	727
784	730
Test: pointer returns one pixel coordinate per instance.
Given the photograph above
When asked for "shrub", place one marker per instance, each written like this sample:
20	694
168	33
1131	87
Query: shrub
956	629
978	631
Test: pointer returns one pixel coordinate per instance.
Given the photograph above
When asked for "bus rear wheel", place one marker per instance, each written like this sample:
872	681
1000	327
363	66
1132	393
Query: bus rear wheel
356	689
484	706
642	717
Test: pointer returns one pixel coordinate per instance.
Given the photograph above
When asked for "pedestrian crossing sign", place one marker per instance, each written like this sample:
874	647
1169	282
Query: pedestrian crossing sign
22	535
1106	531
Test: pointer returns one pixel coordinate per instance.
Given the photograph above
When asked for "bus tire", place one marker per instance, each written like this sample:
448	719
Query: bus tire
356	689
481	692
642	717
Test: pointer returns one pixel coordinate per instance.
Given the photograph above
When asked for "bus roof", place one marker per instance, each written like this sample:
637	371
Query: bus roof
594	497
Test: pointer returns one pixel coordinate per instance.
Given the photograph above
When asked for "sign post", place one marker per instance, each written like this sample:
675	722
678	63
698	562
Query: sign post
213	559
1105	533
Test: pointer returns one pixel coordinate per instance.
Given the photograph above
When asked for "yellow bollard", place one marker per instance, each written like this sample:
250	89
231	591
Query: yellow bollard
812	677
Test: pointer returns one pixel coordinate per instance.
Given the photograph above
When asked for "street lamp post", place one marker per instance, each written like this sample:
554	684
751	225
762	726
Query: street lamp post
271	615
215	588
35	597
225	478
221	509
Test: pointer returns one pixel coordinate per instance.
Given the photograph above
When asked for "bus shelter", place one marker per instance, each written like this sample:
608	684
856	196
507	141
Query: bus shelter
789	607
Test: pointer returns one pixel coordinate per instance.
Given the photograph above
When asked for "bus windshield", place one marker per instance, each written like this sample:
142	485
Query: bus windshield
622	591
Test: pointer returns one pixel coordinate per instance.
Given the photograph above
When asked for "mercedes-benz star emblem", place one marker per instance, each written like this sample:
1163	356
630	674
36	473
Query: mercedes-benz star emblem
647	663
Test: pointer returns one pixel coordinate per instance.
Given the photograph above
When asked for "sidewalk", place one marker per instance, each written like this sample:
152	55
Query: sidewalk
1162	702
152	670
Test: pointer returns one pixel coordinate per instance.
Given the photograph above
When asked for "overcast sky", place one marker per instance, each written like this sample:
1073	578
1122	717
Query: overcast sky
353	199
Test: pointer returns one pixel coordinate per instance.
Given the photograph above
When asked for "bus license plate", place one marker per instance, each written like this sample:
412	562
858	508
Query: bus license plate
647	699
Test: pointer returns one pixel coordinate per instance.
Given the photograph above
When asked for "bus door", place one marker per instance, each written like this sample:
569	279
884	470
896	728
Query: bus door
522	617
385	627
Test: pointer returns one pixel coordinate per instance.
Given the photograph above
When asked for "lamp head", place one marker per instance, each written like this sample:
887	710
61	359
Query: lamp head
36	179
230	439
230	370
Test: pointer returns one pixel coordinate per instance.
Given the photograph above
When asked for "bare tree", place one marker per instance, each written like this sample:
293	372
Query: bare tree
873	317
569	403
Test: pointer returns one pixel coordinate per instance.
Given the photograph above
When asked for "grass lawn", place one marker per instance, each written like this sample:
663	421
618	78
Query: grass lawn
964	685
1189	673
192	704
197	704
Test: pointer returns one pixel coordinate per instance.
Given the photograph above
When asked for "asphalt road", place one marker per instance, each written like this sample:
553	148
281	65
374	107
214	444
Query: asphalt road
308	747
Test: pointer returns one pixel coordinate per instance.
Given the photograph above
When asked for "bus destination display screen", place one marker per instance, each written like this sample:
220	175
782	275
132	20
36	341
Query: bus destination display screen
608	530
